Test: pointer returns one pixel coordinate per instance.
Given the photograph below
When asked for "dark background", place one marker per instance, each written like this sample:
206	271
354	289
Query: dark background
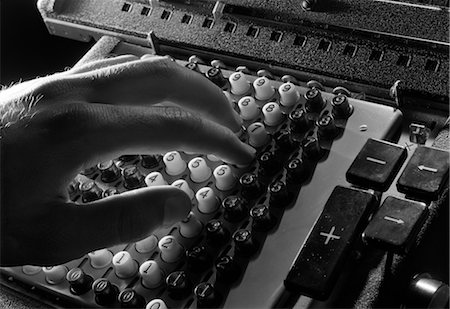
27	49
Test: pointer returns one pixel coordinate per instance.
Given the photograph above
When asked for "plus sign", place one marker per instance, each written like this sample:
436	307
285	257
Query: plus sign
408	145
330	235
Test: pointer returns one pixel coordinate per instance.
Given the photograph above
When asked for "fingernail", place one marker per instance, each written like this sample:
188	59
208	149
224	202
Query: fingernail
175	209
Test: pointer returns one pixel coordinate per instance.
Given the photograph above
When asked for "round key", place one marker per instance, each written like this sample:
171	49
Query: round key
200	171
178	284
79	281
110	192
156	304
272	114
193	66
100	258
251	186
206	295
212	158
327	127
198	258
155	179
263	88
90	191
289	95
341	107
248	108
284	142
190	226
147	244
215	75
109	171
31	269
235	208
268	163
150	161
129	298
262	219
132	177
175	165
216	234
300	120
244	243
105	292
296	171
124	265
257	135
279	195
183	185
171	250
227	269
311	148
225	179
89	172
151	274
239	83
55	274
314	101
207	200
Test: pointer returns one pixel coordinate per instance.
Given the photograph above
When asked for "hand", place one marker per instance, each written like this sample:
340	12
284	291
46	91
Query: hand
91	114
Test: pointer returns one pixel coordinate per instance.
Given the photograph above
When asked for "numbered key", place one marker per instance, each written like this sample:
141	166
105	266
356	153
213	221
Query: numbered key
183	185
190	226
55	274
207	200
263	88
155	179
257	135
248	108
200	171
151	274
171	250
147	244
175	165
289	95
272	114
100	258
124	265
239	83
225	179
156	304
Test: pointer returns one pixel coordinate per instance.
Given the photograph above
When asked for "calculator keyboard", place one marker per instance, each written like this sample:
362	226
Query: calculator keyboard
247	223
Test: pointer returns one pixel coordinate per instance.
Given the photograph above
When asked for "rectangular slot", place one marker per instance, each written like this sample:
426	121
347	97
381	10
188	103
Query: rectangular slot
376	55
186	19
146	11
432	65
300	40
403	60
208	23
253	31
165	15
350	50
126	7
276	36
230	27
324	45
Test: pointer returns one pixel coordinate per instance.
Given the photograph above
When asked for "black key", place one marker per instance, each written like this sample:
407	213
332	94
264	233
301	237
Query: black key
320	260
79	281
425	173
396	224
376	164
128	298
105	292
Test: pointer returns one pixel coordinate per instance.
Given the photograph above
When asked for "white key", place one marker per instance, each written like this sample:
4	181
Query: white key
239	83
190	226
151	274
31	269
207	200
55	274
200	171
156	304
155	179
100	258
171	250
183	185
225	179
212	158
147	244
263	88
175	165
288	94
272	114
124	265
248	108
257	134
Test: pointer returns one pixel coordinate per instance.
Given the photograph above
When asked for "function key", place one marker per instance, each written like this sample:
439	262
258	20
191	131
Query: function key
175	165
244	243
341	107
239	83
206	295
151	274
80	282
234	207
207	200
147	244
198	258
183	185
257	135
109	171
90	191
314	102
171	250
272	114
215	75
224	177
262	219
327	127
248	108
251	186
124	265
301	121
150	161
190	226
263	89
178	284
156	304
129	298
105	292
55	274
100	258
132	177
289	95
227	269
155	179
200	171
216	234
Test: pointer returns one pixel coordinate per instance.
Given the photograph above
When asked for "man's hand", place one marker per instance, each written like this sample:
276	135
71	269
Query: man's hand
91	114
